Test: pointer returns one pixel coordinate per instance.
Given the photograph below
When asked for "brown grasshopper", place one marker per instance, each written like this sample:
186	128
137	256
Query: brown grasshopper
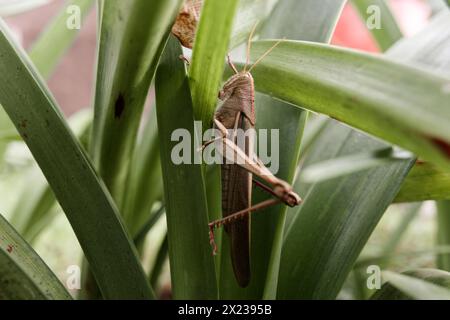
238	112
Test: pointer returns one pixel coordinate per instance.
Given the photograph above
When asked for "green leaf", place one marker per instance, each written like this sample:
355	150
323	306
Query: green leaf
30	217
344	210
389	246
291	123
191	262
435	38
337	167
365	91
381	259
160	260
289	19
23	275
249	13
318	18
388	31
132	36
85	201
57	37
144	182
314	126
418	285
425	182
208	56
443	233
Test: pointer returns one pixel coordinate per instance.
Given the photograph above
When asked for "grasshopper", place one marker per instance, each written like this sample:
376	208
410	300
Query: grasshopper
238	112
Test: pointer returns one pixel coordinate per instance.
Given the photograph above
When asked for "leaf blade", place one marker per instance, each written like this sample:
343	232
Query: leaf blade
186	212
85	201
366	99
23	275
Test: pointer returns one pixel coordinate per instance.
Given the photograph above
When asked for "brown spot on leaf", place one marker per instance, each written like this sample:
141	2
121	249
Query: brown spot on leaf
9	248
23	123
442	145
420	161
119	106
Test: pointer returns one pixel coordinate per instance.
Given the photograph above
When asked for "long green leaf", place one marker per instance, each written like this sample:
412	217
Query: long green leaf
401	104
387	32
23	275
132	36
30	217
249	14
210	49
338	167
83	198
411	286
191	262
144	183
343	211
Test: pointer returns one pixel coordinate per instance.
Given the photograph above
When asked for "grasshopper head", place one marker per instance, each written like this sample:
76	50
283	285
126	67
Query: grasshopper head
287	195
239	80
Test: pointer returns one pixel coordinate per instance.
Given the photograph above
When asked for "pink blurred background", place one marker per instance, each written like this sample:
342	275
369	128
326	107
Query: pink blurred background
72	81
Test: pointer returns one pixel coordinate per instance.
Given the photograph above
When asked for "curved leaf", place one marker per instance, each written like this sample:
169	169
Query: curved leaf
23	275
191	262
144	182
86	202
421	284
313	263
132	36
401	104
344	211
210	49
249	13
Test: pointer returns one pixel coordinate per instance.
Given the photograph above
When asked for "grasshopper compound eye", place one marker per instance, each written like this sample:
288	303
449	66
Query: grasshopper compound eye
293	199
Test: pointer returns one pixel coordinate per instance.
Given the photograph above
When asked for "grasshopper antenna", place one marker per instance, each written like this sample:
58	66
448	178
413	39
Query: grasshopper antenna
266	53
249	45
